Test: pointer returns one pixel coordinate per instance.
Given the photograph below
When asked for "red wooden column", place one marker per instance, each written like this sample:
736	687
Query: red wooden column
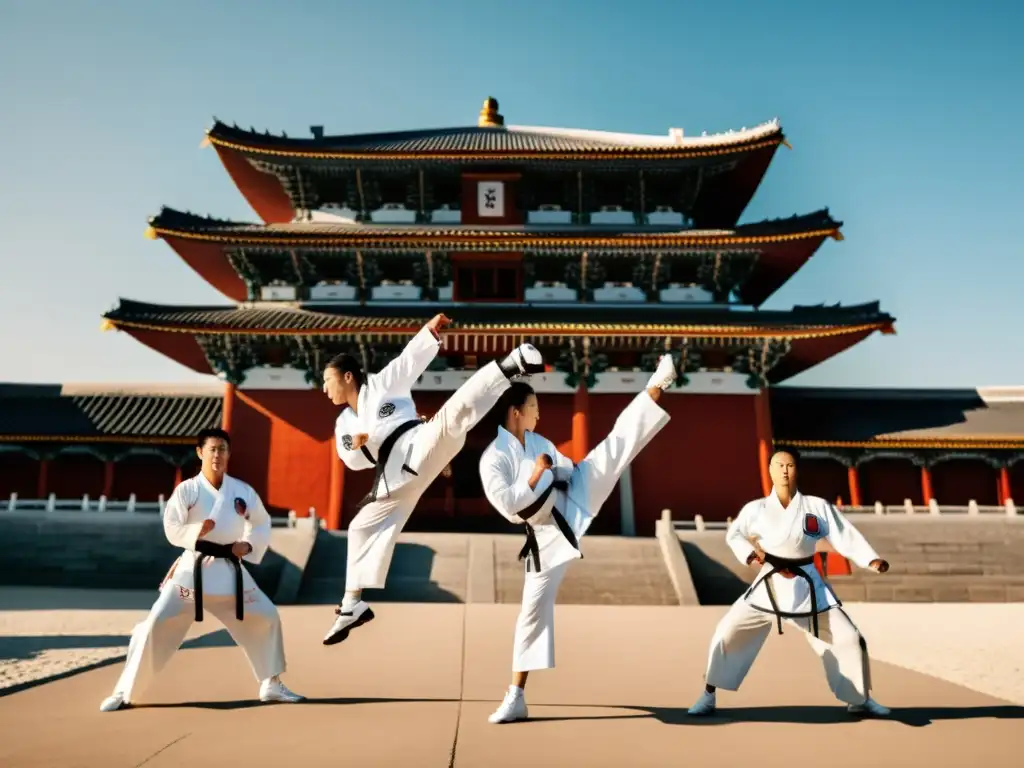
177	477
229	406
854	481
41	480
108	479
765	442
926	485
336	489
580	423
1004	485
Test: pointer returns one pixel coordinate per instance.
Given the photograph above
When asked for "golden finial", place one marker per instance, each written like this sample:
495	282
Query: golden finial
106	325
489	117
205	142
786	144
837	236
150	233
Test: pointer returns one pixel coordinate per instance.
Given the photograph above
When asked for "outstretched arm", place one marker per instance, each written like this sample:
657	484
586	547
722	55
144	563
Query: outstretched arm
402	372
504	491
848	541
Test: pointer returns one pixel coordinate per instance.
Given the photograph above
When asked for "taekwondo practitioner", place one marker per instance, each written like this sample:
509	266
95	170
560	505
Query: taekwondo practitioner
380	430
219	521
529	482
779	534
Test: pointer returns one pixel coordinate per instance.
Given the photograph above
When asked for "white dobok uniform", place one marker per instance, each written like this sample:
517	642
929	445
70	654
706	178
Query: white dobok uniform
558	512
807	601
239	515
406	462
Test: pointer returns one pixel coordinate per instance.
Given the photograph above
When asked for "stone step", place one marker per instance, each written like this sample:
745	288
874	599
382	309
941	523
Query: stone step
930	589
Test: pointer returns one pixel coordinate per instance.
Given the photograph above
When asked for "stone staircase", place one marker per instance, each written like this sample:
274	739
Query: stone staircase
932	559
426	568
940	559
614	571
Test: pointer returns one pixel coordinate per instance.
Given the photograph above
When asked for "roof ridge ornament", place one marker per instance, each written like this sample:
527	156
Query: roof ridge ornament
489	115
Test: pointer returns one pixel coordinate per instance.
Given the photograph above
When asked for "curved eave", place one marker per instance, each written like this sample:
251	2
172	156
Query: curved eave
257	145
207	259
340	325
502	240
974	443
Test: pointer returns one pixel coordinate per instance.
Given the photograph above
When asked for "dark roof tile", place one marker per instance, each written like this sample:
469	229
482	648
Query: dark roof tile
27	410
341	319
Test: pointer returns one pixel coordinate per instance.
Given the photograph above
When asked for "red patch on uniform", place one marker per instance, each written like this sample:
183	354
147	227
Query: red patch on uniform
240	507
811	527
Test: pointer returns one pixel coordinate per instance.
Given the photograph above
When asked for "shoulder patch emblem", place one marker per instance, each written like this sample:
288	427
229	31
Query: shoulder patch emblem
386	410
346	442
241	507
812	526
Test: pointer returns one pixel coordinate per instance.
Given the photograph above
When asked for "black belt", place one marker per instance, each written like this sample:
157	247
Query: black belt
205	549
531	550
381	462
795	567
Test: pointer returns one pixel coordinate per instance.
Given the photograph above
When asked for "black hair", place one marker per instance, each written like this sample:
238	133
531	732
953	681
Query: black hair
212	433
784	449
346	363
513	397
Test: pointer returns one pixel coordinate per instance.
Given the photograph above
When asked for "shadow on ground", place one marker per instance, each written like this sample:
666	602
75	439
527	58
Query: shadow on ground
915	717
21	648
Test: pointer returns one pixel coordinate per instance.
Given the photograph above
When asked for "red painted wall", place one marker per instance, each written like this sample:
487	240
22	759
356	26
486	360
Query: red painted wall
890	481
826	478
18	474
703	462
1017	483
146	476
72	475
279	442
957	481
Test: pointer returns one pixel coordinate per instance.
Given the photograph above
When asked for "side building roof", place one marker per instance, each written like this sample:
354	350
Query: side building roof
42	412
878	418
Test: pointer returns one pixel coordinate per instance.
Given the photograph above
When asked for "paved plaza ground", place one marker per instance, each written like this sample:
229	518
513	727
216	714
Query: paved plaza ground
415	686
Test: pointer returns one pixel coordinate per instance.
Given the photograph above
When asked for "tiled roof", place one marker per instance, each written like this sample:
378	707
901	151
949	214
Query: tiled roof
512	318
501	140
179	223
47	410
856	416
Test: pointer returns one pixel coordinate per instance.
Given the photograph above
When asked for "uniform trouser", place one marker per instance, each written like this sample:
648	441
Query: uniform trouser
590	485
840	646
155	640
373	532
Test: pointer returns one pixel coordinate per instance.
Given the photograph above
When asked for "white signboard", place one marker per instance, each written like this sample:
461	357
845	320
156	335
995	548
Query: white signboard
490	199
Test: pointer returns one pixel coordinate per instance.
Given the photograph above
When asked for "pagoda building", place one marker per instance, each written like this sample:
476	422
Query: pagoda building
603	249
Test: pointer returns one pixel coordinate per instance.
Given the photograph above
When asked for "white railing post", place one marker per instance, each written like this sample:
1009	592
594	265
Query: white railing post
1011	508
698	522
292	517
933	506
85	502
908	506
160	504
972	507
51	503
879	508
12	503
131	503
102	506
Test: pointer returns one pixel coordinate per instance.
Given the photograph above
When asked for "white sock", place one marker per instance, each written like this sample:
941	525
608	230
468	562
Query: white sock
349	602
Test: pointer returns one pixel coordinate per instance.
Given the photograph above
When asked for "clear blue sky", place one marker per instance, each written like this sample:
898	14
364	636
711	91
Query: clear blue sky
906	120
